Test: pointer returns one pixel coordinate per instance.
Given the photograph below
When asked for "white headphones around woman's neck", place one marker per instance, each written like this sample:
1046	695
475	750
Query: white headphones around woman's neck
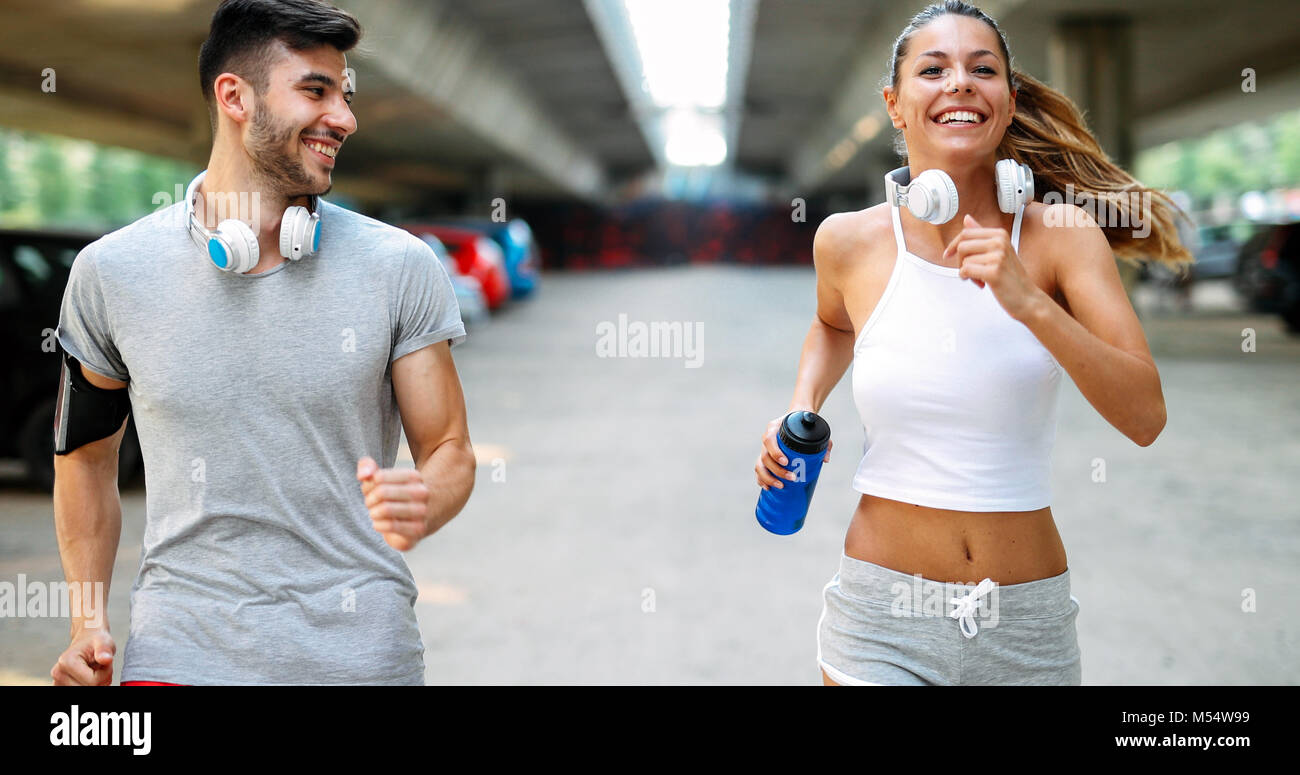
233	246
932	196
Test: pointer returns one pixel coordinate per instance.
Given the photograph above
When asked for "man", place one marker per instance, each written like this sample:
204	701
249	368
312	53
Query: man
263	395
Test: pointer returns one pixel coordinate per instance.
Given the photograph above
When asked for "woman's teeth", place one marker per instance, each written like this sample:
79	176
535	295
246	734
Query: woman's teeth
959	116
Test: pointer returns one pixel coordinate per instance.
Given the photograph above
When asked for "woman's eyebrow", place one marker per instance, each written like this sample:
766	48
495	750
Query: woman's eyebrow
944	54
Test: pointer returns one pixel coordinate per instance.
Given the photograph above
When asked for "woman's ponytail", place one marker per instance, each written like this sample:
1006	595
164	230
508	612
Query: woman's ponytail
1049	134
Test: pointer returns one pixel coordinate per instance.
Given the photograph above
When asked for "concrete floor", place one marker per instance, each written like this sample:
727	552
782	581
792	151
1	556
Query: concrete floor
611	535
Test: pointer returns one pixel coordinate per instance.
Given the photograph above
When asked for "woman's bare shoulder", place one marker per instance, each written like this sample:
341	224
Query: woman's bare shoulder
850	235
1056	230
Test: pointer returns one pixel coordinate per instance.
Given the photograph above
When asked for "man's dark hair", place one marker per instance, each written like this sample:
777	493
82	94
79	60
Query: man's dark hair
243	33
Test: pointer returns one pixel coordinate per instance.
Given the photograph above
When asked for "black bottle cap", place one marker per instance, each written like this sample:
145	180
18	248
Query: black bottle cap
805	432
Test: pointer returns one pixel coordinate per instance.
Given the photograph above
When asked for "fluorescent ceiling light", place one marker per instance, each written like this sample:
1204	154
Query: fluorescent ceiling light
694	138
683	46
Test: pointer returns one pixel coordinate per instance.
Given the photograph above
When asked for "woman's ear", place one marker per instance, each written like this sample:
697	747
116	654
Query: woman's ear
891	106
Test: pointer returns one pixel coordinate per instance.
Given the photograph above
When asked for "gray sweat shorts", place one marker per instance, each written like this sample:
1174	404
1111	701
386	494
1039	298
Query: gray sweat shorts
884	627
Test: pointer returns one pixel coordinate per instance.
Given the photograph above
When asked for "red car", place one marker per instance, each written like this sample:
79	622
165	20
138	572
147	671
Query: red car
476	256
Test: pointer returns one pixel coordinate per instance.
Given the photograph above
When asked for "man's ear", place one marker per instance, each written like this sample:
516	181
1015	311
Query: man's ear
234	97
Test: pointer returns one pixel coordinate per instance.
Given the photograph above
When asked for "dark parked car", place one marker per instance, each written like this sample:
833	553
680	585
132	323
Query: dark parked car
1268	273
34	268
1217	255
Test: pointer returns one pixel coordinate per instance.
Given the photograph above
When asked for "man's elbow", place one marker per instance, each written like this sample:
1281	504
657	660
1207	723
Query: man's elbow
1149	436
458	464
468	465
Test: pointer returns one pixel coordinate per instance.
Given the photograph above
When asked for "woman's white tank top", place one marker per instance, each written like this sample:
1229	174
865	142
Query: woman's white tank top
957	398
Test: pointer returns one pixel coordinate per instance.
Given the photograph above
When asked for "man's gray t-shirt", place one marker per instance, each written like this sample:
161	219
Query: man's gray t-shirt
254	396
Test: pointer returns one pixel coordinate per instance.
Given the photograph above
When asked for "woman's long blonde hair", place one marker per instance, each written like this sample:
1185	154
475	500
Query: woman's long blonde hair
1049	134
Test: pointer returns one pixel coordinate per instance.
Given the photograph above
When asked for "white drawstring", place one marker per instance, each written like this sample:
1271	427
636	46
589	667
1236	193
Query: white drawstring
966	607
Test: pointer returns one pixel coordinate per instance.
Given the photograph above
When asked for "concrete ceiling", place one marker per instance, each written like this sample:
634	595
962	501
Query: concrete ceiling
800	55
457	95
554	48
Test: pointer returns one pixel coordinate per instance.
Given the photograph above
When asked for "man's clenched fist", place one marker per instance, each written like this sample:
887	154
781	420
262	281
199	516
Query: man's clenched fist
88	660
398	500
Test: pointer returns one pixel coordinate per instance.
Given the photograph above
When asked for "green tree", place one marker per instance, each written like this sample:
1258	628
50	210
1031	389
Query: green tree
1286	138
160	176
1255	151
9	197
105	180
1218	166
53	188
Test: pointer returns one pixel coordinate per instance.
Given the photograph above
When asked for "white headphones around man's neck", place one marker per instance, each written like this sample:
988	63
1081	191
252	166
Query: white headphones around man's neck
932	196
233	246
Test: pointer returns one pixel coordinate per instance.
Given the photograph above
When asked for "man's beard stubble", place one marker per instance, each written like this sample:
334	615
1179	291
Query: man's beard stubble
279	171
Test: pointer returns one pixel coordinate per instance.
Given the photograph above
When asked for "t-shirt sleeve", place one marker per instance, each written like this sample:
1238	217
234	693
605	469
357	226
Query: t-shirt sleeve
427	310
85	331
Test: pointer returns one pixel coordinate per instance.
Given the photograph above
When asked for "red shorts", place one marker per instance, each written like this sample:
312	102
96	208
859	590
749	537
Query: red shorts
148	683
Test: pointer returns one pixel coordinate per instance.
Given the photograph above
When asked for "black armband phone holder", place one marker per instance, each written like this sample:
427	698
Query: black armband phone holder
83	412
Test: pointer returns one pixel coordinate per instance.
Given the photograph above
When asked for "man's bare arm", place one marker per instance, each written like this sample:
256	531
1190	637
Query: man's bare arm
88	525
407	506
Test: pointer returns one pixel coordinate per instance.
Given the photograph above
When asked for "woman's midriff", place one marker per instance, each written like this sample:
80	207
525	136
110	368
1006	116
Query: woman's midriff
1009	547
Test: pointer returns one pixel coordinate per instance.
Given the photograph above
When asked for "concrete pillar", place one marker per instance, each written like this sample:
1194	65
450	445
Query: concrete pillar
1091	61
488	183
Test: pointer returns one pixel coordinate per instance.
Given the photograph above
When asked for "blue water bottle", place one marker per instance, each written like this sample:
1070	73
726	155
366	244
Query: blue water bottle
803	438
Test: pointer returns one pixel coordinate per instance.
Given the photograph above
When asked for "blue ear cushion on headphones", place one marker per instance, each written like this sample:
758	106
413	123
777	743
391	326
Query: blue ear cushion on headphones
240	245
217	252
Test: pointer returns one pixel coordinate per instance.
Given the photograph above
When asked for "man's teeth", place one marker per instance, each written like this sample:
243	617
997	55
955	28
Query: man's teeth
959	115
321	147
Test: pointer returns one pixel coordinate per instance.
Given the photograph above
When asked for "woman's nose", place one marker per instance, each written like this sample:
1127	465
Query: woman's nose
957	80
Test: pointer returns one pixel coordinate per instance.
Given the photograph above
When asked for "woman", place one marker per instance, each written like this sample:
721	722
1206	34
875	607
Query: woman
958	332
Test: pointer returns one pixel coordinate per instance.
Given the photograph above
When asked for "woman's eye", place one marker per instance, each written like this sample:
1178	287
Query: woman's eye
981	68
